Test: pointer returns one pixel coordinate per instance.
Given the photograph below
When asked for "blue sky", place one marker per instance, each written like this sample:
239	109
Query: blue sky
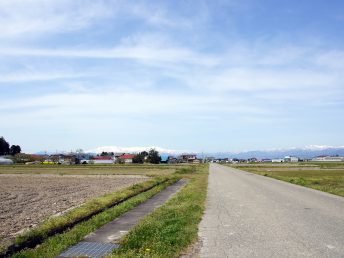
194	75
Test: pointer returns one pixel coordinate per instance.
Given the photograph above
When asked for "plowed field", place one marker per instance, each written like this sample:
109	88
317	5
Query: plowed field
27	200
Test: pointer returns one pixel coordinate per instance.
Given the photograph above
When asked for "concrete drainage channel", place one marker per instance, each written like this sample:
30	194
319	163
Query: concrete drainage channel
103	241
35	241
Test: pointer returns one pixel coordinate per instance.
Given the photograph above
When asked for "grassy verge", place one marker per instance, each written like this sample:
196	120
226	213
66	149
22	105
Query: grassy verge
321	176
58	224
172	228
56	244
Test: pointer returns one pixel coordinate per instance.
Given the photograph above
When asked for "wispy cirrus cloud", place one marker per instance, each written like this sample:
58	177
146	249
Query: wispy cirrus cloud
39	18
140	53
178	70
32	18
32	76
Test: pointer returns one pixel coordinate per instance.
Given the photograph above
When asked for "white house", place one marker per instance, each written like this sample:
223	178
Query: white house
277	160
127	158
102	160
291	159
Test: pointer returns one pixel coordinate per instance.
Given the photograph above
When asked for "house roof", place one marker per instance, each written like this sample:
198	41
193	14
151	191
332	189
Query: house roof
102	158
36	156
127	156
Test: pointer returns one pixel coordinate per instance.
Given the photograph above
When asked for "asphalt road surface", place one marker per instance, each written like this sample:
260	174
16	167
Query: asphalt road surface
249	215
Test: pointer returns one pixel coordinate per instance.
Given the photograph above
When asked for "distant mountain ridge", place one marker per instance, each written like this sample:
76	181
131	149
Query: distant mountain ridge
306	152
117	149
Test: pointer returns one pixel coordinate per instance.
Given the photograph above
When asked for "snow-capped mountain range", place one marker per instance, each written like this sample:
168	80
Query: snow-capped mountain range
309	151
304	152
117	149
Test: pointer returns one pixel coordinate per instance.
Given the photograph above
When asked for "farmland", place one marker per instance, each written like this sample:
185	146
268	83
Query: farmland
30	194
26	200
327	177
148	170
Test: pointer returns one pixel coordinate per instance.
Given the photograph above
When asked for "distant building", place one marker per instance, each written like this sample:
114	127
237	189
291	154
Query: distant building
209	159
127	158
102	160
277	160
291	159
225	160
188	158
4	161
328	159
37	157
235	160
164	158
172	160
67	159
266	160
85	161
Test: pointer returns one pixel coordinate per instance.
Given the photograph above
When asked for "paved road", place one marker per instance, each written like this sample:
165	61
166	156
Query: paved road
254	216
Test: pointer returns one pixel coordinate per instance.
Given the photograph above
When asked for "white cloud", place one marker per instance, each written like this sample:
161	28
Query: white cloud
139	53
32	18
129	103
331	59
156	15
39	18
50	75
265	79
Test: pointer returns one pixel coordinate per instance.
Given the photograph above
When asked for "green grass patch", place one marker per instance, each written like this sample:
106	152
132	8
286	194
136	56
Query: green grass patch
172	228
58	224
187	170
56	244
327	177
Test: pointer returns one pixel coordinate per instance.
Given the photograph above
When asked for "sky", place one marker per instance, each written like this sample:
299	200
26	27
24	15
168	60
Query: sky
199	75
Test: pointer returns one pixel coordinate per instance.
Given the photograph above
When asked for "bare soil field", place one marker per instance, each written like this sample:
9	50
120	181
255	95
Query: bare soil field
27	200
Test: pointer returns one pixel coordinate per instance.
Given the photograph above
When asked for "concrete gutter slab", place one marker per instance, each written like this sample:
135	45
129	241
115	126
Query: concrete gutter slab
103	241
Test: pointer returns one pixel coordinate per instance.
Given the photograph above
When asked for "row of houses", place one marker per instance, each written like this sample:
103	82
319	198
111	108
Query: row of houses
128	158
123	158
276	160
108	158
328	159
84	158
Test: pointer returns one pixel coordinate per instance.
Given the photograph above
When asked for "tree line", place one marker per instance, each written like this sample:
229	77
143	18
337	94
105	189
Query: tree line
151	157
6	149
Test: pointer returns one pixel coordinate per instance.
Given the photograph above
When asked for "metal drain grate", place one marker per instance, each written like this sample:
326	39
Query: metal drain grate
90	249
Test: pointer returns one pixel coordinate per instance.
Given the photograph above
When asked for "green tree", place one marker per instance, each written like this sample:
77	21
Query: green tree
139	158
15	149
4	146
144	153
153	157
